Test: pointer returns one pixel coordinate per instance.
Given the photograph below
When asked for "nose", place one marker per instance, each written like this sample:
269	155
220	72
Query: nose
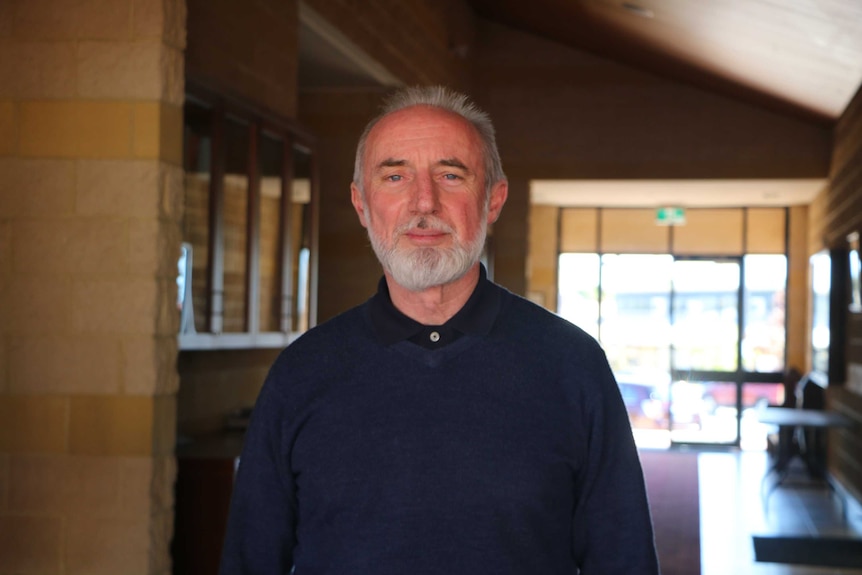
426	196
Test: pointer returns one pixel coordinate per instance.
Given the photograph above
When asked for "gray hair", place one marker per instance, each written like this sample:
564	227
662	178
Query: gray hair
450	101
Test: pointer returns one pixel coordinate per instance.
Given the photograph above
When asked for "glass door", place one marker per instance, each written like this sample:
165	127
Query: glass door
696	344
635	331
705	344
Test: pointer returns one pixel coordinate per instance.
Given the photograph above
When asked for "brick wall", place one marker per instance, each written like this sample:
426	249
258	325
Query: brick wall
90	191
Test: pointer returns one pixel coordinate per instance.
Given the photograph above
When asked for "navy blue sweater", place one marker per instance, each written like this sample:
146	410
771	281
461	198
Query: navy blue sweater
502	453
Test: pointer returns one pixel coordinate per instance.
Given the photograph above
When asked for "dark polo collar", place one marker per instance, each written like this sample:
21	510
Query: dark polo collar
475	318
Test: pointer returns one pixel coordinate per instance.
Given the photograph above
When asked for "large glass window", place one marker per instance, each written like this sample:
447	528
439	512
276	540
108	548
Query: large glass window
248	265
764	310
705	317
694	342
578	291
635	319
821	287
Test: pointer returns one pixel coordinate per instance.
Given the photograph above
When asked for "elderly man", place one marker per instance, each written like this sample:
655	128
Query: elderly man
446	425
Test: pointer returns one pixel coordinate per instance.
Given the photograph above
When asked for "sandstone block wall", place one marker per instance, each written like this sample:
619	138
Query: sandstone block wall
90	201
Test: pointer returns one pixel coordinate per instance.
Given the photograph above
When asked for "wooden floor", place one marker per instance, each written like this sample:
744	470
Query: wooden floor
733	508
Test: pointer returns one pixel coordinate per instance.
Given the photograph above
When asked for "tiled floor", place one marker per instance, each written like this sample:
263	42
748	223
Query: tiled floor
733	508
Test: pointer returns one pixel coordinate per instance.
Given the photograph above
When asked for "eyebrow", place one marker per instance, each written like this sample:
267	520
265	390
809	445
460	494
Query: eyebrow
391	163
453	163
448	162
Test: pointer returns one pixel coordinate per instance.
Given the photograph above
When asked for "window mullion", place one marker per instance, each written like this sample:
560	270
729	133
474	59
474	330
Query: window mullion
285	241
215	301
252	276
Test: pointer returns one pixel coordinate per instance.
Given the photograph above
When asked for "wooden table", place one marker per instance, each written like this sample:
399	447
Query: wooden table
801	433
792	417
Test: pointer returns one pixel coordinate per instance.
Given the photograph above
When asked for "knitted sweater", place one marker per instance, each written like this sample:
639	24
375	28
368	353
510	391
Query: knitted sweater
503	453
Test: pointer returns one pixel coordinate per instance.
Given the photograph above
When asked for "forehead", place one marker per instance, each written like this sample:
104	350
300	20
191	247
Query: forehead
423	130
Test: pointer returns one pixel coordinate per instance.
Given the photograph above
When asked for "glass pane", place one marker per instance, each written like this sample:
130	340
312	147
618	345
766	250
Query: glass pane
698	419
197	163
578	291
301	231
821	283
271	170
235	225
705	330
855	271
635	319
635	333
763	332
753	434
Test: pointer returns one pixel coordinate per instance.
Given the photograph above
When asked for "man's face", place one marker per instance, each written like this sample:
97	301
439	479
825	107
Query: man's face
424	204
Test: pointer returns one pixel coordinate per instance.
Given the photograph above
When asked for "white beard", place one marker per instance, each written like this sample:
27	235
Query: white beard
418	269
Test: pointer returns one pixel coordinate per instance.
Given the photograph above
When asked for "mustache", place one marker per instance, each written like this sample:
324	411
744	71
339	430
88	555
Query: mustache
424	223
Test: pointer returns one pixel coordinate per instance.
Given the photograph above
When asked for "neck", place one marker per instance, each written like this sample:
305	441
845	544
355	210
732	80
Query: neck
435	305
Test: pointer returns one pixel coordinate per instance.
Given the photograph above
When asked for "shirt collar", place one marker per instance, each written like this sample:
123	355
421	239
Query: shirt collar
475	318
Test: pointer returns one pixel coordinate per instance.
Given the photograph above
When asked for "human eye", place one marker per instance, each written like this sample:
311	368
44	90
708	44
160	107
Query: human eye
451	177
394	178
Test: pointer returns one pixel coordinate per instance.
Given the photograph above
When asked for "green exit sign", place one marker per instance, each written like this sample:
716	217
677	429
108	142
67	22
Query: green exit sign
670	216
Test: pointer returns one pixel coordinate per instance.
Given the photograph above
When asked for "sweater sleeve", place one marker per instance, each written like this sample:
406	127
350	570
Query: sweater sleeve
612	527
260	534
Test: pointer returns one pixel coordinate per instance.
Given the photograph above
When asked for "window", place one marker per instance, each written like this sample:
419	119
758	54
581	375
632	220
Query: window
764	329
247	270
578	292
693	341
821	286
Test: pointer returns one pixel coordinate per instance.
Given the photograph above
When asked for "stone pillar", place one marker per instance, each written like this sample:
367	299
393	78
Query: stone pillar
90	203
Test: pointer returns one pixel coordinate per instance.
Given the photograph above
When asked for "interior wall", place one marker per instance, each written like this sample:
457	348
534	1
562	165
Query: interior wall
839	212
421	42
565	114
214	383
246	49
90	202
798	343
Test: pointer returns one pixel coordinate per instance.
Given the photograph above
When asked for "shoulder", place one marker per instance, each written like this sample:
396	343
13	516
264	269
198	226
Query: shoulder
349	325
551	348
521	316
324	351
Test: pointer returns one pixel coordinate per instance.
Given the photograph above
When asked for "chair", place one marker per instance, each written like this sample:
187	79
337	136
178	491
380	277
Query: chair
782	438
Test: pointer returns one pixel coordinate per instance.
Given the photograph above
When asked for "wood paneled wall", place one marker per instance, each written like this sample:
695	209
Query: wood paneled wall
566	114
839	212
248	50
418	42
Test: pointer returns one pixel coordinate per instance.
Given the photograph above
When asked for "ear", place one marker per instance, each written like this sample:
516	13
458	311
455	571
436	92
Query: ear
499	193
356	200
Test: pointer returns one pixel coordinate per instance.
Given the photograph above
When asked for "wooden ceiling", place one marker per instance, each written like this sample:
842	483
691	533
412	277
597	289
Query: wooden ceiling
797	57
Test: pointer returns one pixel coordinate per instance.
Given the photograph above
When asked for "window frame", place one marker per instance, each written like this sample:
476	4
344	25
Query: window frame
294	139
